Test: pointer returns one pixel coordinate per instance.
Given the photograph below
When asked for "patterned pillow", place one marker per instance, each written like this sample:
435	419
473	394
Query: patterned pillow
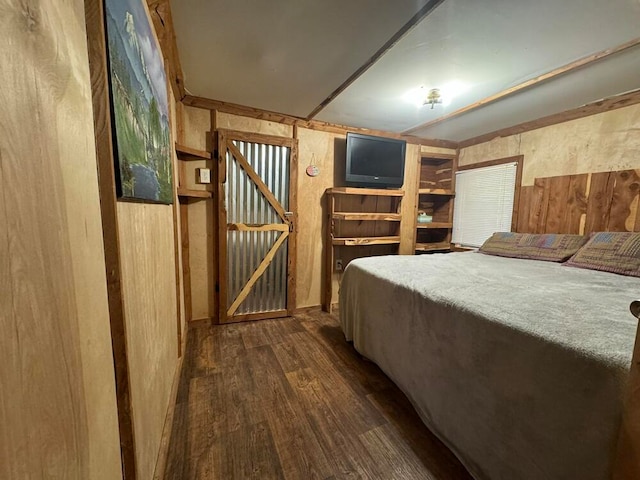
616	252
551	247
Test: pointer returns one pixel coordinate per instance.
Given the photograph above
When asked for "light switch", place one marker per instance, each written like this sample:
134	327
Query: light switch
204	175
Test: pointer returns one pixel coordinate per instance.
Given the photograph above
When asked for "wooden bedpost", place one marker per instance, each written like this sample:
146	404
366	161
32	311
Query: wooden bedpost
627	461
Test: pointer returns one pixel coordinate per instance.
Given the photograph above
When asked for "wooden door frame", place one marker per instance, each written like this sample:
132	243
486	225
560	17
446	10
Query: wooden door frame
224	139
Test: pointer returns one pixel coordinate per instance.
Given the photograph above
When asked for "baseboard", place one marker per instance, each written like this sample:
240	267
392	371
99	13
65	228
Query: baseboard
163	451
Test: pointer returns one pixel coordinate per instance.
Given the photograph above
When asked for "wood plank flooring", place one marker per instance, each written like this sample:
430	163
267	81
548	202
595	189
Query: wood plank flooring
290	399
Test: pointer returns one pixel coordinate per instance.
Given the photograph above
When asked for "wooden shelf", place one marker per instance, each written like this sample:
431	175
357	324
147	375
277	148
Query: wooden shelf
359	241
185	192
192	153
435	191
435	225
359	217
366	191
389	217
432	247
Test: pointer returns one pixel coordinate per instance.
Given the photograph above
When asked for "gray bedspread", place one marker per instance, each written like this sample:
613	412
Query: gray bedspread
518	365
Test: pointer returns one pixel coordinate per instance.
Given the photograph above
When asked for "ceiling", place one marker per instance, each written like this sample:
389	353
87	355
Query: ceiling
293	56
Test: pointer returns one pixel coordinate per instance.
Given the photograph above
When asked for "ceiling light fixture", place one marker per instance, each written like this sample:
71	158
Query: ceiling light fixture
433	97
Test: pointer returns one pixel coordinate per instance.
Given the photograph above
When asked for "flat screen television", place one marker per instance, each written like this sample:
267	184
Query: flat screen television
374	162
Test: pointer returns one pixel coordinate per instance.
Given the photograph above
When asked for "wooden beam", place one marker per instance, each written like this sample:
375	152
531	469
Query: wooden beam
160	11
601	106
413	21
245	227
186	266
250	112
96	40
569	67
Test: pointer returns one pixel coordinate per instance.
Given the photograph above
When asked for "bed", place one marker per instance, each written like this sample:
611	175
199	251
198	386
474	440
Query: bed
519	366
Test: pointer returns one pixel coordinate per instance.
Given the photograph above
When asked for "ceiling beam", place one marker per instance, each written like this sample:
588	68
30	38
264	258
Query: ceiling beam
417	18
160	12
601	106
244	111
580	63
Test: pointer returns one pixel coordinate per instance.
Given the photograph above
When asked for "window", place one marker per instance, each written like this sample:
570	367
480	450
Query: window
484	202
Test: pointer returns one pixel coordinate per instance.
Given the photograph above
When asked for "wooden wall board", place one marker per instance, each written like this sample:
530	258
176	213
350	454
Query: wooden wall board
253	125
59	415
409	207
603	142
624	204
148	283
581	204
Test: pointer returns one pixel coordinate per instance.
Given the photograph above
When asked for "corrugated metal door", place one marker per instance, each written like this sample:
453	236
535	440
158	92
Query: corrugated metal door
256	226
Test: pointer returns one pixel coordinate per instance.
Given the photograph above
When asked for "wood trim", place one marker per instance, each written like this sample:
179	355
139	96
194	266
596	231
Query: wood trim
94	17
160	12
365	191
176	247
491	163
165	439
259	138
600	106
266	261
443	156
413	21
292	260
569	67
519	160
328	251
222	228
250	112
250	317
307	310
627	460
186	266
214	243
246	227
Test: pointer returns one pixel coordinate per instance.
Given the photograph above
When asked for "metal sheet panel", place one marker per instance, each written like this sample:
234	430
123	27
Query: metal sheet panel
246	204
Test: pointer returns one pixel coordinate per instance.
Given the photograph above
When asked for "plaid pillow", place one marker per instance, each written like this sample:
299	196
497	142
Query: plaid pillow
616	252
550	247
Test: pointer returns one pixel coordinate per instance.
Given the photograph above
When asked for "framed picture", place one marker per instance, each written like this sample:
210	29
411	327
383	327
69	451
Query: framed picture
139	104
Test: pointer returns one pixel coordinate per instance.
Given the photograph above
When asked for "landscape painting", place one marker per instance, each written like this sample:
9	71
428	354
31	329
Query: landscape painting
139	103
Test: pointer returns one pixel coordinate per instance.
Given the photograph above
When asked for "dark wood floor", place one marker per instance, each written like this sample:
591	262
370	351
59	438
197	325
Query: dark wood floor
290	399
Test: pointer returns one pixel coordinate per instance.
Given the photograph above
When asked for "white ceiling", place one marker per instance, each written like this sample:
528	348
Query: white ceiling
288	56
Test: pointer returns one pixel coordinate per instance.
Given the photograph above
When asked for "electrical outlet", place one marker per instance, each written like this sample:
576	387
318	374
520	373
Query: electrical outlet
204	175
338	265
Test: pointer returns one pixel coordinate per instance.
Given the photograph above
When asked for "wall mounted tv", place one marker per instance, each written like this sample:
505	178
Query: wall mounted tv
374	162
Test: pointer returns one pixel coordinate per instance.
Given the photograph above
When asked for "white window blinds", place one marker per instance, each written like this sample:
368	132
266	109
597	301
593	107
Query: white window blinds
483	203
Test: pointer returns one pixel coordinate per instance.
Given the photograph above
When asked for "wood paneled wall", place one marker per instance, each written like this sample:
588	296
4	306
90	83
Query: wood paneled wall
586	203
143	265
58	415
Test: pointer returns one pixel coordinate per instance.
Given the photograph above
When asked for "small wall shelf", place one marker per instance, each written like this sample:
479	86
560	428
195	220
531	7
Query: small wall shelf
184	192
188	153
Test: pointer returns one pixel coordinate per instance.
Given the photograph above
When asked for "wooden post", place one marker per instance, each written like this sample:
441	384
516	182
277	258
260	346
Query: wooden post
627	461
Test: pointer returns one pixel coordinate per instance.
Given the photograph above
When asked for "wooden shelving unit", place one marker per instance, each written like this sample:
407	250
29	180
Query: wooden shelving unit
188	154
361	222
436	193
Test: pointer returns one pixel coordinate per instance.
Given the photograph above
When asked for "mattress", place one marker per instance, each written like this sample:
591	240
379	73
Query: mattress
519	366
